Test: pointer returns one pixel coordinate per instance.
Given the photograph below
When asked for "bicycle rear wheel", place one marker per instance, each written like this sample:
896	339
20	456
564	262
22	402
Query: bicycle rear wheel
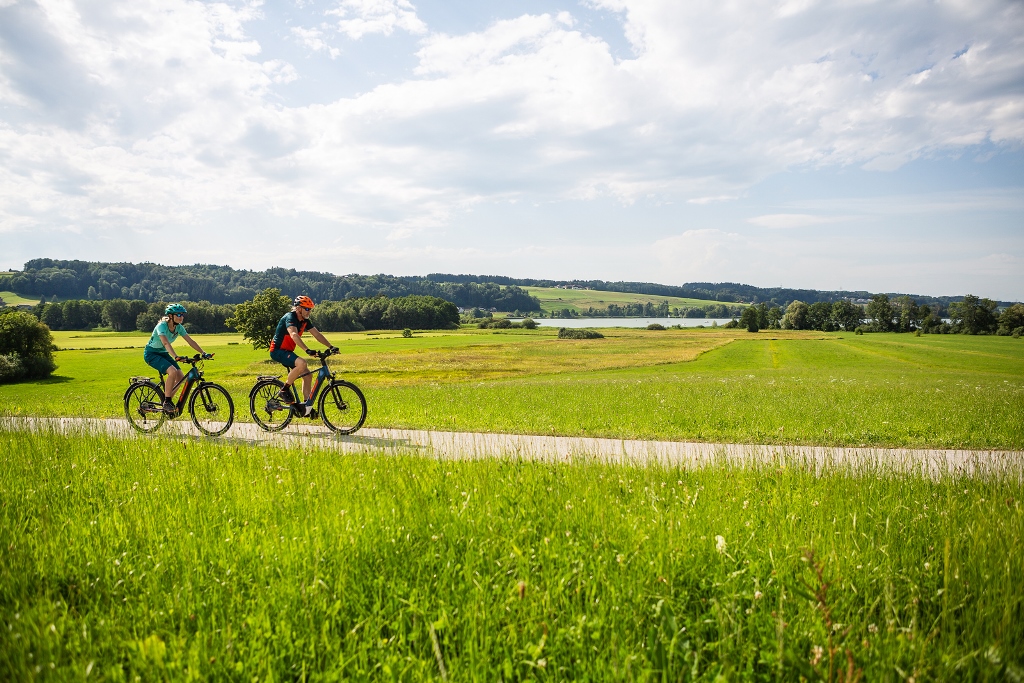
342	407
267	409
143	406
212	409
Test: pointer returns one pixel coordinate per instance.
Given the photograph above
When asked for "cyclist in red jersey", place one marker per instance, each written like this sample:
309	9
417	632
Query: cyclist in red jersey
287	337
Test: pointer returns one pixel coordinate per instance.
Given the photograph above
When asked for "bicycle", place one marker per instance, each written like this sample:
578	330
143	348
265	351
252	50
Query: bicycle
342	406
143	401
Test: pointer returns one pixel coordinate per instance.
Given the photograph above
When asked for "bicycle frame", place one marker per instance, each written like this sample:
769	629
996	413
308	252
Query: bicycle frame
322	373
191	378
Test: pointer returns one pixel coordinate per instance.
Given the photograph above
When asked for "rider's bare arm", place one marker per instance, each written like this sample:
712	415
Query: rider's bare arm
293	332
167	345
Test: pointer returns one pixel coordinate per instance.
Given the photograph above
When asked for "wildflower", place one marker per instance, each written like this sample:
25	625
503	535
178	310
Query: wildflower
745	504
815	503
720	544
872	628
758	595
818	652
927	566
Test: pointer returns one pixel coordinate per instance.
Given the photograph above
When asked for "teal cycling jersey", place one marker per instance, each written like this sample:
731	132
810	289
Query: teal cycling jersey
163	328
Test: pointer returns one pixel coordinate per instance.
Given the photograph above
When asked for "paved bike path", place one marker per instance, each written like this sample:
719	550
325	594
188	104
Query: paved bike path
468	445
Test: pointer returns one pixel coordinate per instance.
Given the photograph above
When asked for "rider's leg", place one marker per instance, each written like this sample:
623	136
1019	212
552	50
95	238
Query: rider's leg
174	376
300	369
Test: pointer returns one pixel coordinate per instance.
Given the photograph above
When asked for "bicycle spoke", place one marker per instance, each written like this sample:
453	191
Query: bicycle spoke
143	406
212	409
267	409
342	407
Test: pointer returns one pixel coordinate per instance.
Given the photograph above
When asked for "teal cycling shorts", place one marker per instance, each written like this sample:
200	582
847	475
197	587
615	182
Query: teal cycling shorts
159	360
285	358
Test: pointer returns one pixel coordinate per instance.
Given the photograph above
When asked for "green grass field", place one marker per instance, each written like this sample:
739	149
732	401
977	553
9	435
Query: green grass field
178	559
579	300
12	299
945	391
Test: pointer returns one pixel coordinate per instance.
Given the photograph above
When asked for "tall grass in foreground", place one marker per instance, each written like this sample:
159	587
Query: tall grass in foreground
179	559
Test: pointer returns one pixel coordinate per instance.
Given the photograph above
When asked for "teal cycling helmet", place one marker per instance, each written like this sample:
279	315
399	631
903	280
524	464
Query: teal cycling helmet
176	309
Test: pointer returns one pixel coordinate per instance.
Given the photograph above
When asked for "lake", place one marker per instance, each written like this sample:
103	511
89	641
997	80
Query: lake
628	322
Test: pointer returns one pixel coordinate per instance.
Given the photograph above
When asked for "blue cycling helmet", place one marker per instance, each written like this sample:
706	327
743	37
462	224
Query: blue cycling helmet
177	309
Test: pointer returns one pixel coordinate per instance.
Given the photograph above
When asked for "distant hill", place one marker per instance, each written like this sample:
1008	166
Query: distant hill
728	292
72	279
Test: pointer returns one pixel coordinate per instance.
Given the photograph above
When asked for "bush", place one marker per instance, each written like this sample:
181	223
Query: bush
571	333
655	326
407	333
1018	333
11	368
26	347
529	324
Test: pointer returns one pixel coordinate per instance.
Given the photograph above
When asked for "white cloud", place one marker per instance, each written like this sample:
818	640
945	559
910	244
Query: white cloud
167	112
313	38
358	18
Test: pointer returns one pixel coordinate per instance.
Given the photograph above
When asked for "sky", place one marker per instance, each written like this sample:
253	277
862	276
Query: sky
848	144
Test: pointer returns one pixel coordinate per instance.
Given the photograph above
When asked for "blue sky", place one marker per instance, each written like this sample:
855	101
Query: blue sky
851	144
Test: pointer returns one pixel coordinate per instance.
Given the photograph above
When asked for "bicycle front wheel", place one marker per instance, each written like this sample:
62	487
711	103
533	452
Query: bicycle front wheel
342	407
212	409
266	407
143	406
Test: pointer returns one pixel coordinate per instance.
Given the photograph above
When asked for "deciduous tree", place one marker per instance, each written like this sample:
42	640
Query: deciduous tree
257	319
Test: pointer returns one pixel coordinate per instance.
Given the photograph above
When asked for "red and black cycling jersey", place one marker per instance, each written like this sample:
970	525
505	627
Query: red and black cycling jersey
282	340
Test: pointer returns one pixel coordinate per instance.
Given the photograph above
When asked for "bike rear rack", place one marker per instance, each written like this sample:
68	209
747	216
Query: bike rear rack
139	379
266	377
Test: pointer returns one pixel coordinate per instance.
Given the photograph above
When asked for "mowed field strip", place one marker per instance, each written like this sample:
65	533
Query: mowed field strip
555	299
475	445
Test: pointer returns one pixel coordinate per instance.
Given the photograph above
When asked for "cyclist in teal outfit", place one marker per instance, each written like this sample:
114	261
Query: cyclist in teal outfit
287	337
160	355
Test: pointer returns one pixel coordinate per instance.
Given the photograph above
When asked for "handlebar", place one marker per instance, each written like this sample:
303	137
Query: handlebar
198	358
324	355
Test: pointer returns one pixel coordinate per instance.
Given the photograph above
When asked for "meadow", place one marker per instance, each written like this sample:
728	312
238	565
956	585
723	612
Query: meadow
579	300
178	559
946	391
12	299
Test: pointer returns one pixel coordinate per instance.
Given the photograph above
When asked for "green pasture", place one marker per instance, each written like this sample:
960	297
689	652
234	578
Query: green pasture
946	391
12	299
555	299
181	559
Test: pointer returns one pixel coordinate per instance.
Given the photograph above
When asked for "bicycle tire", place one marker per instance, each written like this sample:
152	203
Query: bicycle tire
264	406
338	407
143	406
214	396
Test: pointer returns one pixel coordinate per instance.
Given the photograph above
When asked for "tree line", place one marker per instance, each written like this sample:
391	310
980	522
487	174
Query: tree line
371	313
971	315
257	319
122	315
151	282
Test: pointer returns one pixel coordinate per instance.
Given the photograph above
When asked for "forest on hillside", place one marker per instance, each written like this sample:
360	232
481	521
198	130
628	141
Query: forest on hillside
151	282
